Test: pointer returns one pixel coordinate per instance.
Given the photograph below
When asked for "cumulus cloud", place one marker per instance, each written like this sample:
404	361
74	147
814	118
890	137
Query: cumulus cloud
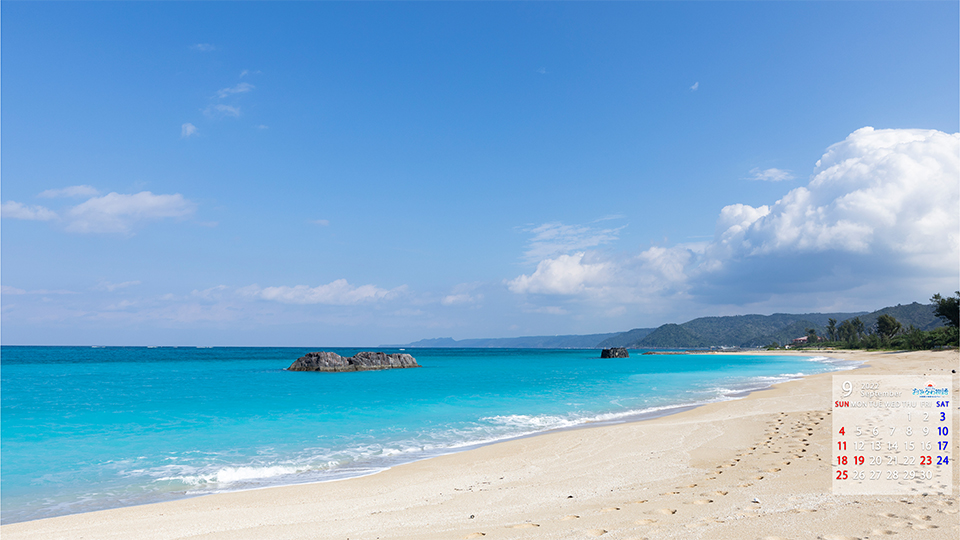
878	191
238	89
566	274
338	292
187	130
71	191
554	238
770	175
695	86
15	210
880	212
119	213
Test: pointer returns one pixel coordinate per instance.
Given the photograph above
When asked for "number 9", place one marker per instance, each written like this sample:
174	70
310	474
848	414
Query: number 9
847	388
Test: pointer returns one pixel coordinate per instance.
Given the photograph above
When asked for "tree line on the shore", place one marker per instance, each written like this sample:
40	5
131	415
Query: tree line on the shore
889	333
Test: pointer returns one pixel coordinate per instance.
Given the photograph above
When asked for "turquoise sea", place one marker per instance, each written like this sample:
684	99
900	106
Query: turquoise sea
93	428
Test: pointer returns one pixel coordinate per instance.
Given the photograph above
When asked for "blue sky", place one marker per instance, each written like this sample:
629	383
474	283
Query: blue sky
366	173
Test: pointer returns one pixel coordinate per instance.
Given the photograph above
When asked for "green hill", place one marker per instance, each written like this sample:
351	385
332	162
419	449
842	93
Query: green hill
625	339
671	336
920	315
730	331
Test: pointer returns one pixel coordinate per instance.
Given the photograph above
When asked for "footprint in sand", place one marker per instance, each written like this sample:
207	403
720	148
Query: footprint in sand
666	511
645	521
839	537
775	469
524	526
474	535
880	532
922	527
611	509
886	515
596	532
703	501
720	492
641	501
570	517
918	517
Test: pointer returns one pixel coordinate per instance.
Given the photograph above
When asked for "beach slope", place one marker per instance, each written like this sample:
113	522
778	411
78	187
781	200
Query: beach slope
757	467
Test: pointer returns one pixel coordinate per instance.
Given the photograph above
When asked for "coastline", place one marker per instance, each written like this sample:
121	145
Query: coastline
697	472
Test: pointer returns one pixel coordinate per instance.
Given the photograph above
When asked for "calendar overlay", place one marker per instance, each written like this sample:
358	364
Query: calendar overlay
891	435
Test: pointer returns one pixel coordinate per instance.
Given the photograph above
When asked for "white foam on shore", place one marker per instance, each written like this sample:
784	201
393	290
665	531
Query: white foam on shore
324	464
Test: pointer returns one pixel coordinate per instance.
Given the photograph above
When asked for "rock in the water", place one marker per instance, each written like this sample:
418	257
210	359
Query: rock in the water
616	352
362	361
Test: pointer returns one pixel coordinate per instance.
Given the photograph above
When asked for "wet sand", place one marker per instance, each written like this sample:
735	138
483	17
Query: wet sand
753	468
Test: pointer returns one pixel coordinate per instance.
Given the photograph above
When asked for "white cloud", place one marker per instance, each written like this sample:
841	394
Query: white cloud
187	130
878	191
221	110
15	210
464	293
695	86
770	175
338	292
240	88
549	310
71	191
554	238
110	287
454	299
119	213
211	293
6	289
203	47
565	274
879	214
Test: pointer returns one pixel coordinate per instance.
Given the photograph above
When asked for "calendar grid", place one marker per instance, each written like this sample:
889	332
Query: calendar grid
892	435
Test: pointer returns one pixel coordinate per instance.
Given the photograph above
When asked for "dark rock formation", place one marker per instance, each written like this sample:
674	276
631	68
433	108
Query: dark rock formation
362	361
616	352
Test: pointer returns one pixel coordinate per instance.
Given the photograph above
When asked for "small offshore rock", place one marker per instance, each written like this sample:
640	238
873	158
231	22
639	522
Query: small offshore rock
616	352
362	361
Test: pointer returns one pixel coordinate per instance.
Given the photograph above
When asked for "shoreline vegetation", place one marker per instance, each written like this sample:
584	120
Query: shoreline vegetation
753	467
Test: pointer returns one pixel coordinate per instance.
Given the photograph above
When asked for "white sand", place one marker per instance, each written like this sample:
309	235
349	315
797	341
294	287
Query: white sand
688	475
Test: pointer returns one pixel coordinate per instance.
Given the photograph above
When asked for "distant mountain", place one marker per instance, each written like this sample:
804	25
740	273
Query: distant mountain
626	338
671	336
527	342
731	331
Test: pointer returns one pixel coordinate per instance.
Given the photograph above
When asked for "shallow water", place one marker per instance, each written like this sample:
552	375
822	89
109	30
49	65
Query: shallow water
93	428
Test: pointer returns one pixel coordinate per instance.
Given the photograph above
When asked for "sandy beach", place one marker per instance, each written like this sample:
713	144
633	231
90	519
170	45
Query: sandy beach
752	468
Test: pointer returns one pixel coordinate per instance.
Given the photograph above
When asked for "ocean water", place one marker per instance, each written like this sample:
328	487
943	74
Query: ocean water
93	428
